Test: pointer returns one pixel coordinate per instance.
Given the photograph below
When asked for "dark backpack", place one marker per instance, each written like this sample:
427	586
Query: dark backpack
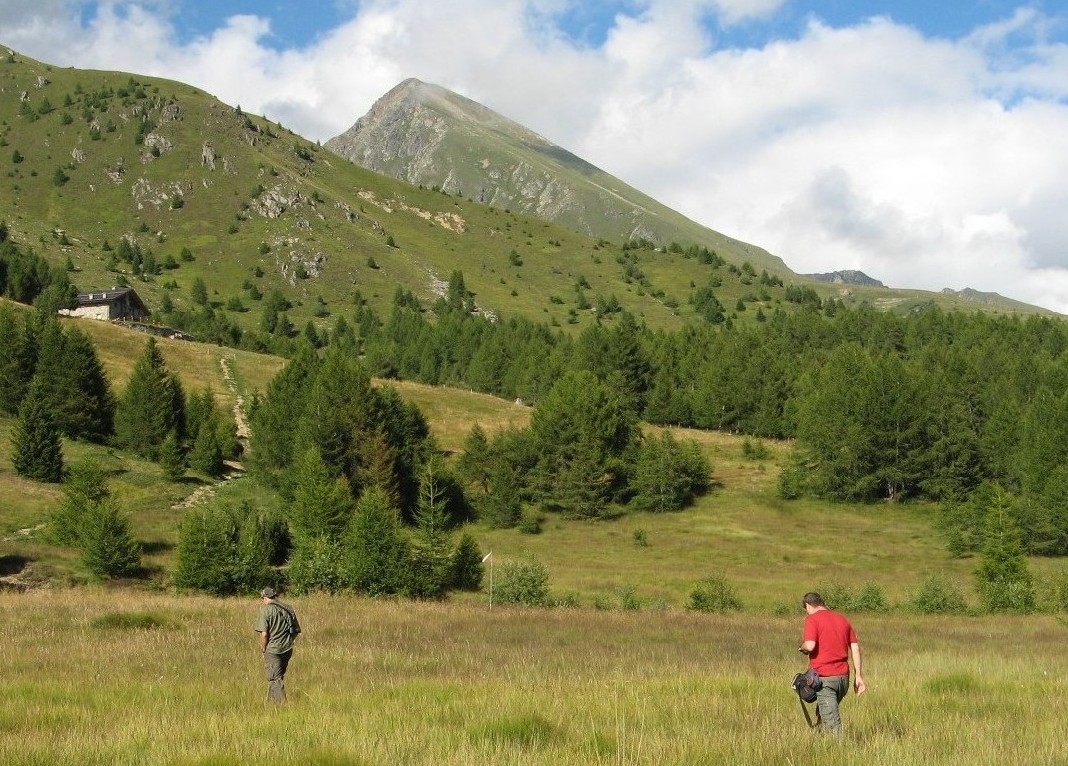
807	684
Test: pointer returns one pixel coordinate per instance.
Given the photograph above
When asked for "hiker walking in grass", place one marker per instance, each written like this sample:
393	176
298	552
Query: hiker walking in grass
278	627
829	640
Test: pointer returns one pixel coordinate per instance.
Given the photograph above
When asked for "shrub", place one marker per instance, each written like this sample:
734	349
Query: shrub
134	621
836	596
870	599
755	450
530	523
937	595
714	594
522	584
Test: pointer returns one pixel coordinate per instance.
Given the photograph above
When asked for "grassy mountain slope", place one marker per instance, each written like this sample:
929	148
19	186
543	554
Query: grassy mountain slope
89	158
428	135
425	134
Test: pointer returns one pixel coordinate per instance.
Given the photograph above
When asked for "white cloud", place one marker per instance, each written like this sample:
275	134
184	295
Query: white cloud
925	162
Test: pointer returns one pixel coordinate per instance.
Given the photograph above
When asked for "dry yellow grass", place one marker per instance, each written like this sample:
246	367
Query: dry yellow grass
416	683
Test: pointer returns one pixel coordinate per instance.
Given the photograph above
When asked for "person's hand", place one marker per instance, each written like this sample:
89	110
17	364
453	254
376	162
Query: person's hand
860	686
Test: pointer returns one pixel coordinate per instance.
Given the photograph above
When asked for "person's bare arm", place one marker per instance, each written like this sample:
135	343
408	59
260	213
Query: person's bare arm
858	673
807	647
263	641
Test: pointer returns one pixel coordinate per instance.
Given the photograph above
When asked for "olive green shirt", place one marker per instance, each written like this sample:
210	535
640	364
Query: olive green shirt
279	622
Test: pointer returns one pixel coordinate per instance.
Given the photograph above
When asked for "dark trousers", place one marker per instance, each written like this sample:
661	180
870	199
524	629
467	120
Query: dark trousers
274	667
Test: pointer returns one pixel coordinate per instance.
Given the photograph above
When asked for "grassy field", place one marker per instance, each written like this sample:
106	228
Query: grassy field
135	674
96	676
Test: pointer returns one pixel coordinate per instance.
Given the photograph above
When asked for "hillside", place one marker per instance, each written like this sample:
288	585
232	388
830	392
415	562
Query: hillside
207	193
427	135
742	529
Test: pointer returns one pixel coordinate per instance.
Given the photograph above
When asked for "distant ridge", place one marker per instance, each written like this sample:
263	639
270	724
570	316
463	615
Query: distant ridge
846	277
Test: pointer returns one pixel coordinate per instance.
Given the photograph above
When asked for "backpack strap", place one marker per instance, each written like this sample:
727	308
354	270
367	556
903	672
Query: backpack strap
293	626
804	709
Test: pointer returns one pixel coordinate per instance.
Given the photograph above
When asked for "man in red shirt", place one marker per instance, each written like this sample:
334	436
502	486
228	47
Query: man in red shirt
829	640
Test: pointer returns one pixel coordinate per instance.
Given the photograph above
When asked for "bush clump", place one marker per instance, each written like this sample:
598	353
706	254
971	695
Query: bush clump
522	584
937	595
714	594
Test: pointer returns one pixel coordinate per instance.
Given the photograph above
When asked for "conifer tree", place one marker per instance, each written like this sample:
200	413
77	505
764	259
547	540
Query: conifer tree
206	456
207	551
79	392
668	474
322	506
152	405
1003	581
376	551
171	459
431	553
466	567
86	483
108	546
37	448
18	358
474	462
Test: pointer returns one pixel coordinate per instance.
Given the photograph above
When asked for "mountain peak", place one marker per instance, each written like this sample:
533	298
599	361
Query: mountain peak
430	136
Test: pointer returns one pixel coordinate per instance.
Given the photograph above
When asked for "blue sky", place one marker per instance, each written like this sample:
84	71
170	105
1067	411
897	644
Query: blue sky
297	23
924	143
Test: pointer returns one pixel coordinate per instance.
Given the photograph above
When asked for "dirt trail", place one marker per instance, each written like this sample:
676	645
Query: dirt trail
239	402
207	491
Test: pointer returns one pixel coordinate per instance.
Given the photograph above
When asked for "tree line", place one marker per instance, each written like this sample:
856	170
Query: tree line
934	405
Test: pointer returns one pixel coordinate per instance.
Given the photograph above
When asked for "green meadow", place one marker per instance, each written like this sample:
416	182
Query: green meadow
135	673
122	677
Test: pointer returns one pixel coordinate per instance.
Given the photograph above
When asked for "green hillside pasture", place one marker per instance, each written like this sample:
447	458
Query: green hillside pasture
196	364
154	505
100	676
770	550
453	412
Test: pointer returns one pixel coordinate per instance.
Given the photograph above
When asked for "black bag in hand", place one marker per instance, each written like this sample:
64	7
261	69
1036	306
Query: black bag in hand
807	684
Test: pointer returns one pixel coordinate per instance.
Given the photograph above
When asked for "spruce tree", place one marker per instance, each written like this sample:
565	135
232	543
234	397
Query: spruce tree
86	403
108	546
207	551
171	459
322	506
206	456
474	462
86	483
152	405
431	553
1003	581
18	358
466	568
37	448
376	550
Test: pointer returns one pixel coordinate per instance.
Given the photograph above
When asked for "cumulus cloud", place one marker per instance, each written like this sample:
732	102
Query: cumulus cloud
924	162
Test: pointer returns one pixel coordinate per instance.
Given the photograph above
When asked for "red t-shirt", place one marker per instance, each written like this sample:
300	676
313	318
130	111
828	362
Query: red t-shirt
833	634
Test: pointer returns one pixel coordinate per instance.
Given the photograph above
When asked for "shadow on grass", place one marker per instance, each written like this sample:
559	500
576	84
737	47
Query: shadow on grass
13	563
152	547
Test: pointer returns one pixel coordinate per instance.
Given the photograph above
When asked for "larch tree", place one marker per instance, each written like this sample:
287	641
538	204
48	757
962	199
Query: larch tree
37	446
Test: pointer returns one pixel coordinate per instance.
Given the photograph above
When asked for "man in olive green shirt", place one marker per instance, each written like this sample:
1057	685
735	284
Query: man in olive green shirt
278	627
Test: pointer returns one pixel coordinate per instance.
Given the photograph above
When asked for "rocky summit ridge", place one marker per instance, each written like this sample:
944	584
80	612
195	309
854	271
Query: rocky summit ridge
430	136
